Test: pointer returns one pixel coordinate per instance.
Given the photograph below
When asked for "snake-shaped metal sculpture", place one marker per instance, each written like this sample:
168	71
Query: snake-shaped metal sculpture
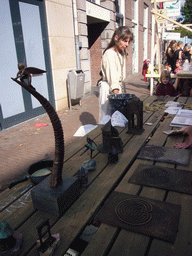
56	174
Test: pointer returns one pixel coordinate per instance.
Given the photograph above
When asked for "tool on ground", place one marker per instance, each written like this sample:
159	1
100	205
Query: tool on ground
37	172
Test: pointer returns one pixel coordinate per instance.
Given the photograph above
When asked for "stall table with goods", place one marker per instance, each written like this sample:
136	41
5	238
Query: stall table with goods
140	204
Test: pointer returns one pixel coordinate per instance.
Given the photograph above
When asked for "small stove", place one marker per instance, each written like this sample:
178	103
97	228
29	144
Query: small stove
112	143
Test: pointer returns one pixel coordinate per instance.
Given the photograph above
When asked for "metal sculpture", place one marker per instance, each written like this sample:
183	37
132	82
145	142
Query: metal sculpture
25	73
112	143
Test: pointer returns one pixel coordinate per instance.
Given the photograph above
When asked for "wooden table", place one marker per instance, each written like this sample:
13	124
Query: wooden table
16	205
184	74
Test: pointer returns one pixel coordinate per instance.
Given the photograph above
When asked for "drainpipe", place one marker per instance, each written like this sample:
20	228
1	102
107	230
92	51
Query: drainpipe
76	34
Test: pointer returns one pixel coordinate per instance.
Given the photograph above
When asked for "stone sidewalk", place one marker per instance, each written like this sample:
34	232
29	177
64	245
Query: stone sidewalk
25	144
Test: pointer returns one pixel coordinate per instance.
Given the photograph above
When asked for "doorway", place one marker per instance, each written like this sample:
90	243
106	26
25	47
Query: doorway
24	40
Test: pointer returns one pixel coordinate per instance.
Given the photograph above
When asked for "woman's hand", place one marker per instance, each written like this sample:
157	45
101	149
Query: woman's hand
188	130
115	91
188	143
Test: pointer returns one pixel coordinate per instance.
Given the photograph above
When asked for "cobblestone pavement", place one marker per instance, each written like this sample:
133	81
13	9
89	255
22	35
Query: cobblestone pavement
25	144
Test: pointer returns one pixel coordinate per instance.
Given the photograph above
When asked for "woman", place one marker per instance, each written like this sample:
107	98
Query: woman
112	67
170	53
178	53
186	53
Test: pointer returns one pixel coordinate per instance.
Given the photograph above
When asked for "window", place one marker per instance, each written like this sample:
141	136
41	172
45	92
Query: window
145	32
92	1
119	5
134	8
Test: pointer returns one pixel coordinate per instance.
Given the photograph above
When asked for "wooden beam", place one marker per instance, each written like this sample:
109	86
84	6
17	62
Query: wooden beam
161	1
173	21
175	26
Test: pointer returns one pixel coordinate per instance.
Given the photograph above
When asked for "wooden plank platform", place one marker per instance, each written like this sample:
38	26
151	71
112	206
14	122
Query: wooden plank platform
16	204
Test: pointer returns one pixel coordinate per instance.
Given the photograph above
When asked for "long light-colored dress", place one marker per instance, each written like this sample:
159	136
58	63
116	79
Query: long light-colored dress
112	67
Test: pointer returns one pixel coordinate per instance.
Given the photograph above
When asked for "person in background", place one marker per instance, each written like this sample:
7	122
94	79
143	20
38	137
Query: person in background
176	81
112	67
145	68
165	87
177	53
186	53
178	66
184	85
167	67
188	143
170	52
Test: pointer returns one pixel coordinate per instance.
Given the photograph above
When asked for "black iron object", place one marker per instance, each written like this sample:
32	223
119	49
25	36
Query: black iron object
49	241
89	146
119	101
82	175
53	195
25	73
165	155
36	168
135	116
7	241
112	143
10	240
141	215
131	107
163	177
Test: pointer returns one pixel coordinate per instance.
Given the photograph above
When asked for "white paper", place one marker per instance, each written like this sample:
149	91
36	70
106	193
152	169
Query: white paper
84	129
105	119
172	104
117	119
172	110
182	118
175	131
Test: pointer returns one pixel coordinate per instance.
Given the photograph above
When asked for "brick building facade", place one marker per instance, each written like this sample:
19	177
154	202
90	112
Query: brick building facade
59	36
133	13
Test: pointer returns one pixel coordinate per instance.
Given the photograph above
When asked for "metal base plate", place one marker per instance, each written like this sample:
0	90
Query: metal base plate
165	178
55	200
141	215
166	155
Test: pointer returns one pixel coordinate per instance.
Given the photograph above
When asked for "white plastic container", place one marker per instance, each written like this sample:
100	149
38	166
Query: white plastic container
186	65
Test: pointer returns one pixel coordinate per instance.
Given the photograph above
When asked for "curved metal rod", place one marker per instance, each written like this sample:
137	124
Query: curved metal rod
56	174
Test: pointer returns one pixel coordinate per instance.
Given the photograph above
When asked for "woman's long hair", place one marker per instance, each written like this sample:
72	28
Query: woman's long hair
122	32
171	45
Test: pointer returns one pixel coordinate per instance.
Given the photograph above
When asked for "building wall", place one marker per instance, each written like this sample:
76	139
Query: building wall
128	22
24	40
62	41
106	34
95	60
62	46
83	39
